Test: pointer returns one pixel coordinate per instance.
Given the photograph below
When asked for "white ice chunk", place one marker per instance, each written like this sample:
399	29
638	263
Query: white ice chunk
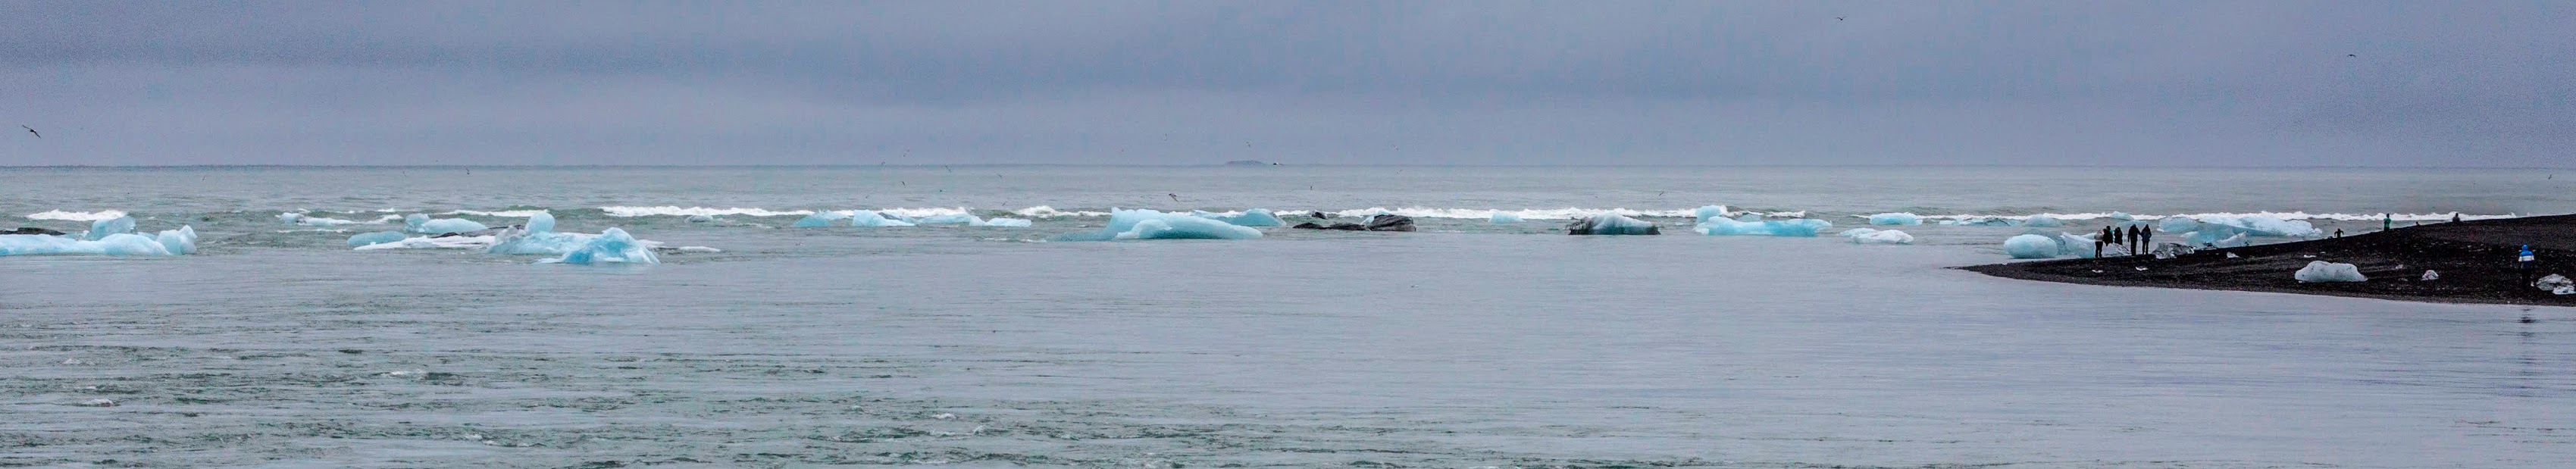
1149	224
950	219
1895	219
2430	275
427	242
1501	217
2555	284
179	241
699	249
2031	246
611	246
876	219
1612	224
421	223
2322	271
1006	222
293	218
2043	221
1253	217
117	244
1879	237
819	219
700	219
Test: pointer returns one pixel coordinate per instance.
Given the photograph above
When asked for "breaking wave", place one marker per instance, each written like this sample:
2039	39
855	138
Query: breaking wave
76	216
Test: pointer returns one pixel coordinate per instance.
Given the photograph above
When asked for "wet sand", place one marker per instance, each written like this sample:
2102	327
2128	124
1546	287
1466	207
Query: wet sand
2475	260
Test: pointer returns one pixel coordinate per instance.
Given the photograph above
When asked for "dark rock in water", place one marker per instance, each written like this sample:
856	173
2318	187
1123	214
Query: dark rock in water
1378	223
1318	216
33	231
1390	223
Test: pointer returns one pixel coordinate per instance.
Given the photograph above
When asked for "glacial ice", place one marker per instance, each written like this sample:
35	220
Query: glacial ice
1753	225
610	246
950	219
819	220
293	218
426	242
1149	224
421	223
1253	217
1895	219
379	237
1501	217
2043	221
1877	236
165	243
2322	271
1709	212
2177	225
101	229
876	219
1612	224
1006	222
2031	246
2210	228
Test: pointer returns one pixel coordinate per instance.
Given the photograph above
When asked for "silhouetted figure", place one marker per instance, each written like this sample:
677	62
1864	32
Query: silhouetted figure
31	130
2387	222
2455	217
2522	264
2097	246
2338	232
2137	240
2147	236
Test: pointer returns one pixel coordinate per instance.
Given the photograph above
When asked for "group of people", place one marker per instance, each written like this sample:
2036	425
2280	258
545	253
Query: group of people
2136	237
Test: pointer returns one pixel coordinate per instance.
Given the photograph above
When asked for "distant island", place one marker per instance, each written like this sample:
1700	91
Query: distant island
1249	163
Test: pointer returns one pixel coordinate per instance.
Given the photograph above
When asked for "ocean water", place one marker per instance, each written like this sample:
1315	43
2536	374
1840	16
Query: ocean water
1468	344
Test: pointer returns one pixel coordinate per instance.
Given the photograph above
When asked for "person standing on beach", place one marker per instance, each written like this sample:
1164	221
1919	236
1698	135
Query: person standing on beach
2097	244
2522	263
2147	236
2387	222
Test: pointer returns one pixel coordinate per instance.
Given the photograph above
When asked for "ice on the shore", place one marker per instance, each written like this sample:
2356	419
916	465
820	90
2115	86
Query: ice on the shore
293	218
165	243
1127	224
610	246
1612	224
2430	275
1896	219
421	223
1753	225
1877	236
1501	217
380	237
2031	246
2557	284
1253	217
2043	221
2322	271
100	229
819	220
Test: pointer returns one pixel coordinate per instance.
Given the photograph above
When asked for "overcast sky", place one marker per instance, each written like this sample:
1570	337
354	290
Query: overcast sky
2338	83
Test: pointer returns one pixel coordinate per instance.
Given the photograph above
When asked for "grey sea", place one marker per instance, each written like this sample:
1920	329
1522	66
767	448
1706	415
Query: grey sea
1468	343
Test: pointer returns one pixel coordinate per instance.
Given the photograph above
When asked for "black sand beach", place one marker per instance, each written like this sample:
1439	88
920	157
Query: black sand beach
2475	260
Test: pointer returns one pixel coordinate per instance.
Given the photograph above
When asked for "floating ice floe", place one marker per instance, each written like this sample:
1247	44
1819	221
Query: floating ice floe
111	237
1981	221
1895	219
2032	246
1877	236
293	218
1149	224
2322	271
380	237
76	216
1501	217
1253	217
1612	224
1754	225
2042	221
875	219
820	219
610	246
421	223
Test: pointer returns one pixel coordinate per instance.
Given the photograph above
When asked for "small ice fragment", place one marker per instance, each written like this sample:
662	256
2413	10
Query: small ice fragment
1753	225
2554	283
2031	246
1612	224
1501	217
951	219
699	249
1880	237
2231	255
1005	222
1896	219
97	403
2142	268
99	230
2322	271
944	416
2430	275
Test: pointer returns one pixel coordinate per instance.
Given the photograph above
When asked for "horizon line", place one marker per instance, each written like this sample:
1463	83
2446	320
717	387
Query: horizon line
1220	165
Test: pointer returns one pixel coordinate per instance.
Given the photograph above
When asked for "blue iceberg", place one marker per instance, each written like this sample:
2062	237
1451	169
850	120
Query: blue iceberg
1149	224
165	243
876	219
1709	212
1612	224
1501	217
380	237
1752	225
100	229
1895	219
421	223
2031	246
611	246
1253	217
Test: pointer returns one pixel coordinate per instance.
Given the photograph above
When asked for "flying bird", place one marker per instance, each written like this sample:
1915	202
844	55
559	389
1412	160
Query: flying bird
31	130
1838	18
2352	55
1175	197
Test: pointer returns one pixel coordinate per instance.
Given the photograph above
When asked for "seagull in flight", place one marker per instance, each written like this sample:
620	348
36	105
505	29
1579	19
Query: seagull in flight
1175	197
2352	55
1838	18
31	130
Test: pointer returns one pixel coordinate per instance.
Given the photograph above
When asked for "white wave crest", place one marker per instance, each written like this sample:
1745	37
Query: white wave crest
1043	211
503	213
690	211
926	212
76	216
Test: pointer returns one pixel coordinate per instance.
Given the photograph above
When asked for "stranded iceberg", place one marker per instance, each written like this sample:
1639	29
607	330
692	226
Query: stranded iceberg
421	223
1149	224
113	237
